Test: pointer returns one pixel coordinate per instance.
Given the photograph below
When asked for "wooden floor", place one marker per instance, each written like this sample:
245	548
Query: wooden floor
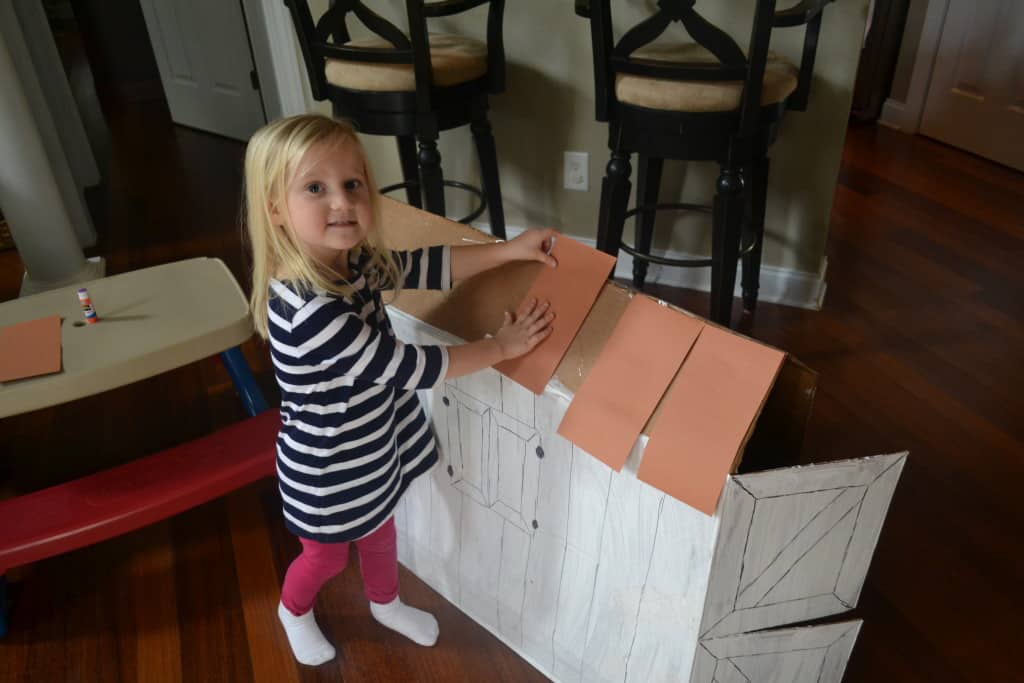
920	346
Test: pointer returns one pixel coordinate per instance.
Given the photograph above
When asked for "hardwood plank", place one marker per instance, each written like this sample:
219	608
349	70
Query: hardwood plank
214	645
35	646
149	603
260	588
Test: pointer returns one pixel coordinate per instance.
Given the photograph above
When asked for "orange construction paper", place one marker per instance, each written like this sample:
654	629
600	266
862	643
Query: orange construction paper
628	379
30	348
707	416
571	288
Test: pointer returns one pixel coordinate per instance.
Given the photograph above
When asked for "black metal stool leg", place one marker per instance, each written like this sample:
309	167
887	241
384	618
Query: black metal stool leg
484	139
410	170
755	231
727	224
431	177
648	181
614	199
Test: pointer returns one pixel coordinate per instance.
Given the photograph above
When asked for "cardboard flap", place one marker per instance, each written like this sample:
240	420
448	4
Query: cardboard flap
778	434
795	544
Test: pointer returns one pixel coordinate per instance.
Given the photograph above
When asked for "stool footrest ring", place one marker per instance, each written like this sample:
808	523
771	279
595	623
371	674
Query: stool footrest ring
664	261
681	206
472	216
676	262
679	262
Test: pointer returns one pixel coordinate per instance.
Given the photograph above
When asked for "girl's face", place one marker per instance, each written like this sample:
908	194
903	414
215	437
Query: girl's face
328	202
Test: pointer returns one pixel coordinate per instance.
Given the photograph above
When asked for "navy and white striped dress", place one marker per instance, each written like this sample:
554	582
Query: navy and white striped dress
353	433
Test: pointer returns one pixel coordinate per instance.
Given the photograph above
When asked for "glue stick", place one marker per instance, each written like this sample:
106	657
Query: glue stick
87	308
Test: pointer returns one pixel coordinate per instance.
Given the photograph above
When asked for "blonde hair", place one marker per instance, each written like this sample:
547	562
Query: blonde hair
271	160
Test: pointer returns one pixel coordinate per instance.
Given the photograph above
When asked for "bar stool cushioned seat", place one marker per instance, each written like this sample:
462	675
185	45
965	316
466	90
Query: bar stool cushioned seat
454	59
780	80
412	85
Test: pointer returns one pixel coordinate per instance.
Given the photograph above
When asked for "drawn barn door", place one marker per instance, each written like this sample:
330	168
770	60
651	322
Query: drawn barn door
493	457
811	654
976	96
793	545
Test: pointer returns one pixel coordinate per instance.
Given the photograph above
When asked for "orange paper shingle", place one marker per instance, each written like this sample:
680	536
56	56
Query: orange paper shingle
571	288
630	376
30	348
706	416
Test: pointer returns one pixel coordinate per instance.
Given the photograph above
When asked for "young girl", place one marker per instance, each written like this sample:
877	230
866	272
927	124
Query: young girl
353	434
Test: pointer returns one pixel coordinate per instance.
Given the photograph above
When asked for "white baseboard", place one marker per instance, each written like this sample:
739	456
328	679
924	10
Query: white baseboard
784	286
898	115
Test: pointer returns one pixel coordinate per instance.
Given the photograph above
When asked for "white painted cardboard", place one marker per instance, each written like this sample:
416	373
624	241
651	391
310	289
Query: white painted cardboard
592	575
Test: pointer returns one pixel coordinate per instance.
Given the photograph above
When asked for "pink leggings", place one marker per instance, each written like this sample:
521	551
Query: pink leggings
378	563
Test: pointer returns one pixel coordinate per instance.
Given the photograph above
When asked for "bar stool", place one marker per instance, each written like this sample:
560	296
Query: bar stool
412	87
702	100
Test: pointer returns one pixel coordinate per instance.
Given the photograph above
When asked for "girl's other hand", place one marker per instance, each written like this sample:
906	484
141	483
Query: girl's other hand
533	245
521	333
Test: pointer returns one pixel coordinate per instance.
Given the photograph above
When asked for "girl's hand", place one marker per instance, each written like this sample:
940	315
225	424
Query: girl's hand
533	245
520	334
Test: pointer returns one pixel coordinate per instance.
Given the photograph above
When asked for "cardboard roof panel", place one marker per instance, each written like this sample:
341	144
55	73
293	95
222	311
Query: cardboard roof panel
474	308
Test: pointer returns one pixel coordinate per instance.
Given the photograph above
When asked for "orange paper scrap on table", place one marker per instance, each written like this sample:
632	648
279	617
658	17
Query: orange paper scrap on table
706	416
571	288
628	379
30	348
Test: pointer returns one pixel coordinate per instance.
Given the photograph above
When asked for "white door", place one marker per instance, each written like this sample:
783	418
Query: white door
206	66
976	97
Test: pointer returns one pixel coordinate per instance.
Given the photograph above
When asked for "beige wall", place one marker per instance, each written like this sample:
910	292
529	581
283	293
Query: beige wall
548	107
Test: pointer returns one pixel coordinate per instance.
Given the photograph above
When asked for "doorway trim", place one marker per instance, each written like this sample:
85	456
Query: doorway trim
283	84
906	116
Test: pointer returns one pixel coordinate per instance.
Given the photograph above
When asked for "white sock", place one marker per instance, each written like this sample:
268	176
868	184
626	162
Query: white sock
418	626
308	644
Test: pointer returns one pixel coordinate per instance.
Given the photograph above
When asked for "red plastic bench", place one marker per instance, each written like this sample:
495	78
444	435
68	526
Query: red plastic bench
103	505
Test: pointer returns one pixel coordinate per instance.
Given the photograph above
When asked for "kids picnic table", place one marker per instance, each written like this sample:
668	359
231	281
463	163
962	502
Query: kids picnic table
151	320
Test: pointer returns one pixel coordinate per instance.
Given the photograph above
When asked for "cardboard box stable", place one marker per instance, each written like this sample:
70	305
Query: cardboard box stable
592	574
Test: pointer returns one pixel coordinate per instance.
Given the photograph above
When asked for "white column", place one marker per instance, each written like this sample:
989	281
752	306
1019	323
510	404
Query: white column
30	193
55	111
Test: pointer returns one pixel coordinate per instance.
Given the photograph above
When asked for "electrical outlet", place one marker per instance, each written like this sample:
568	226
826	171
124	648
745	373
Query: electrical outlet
576	171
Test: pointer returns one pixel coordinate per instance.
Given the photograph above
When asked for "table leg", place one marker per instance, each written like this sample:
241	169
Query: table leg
245	383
